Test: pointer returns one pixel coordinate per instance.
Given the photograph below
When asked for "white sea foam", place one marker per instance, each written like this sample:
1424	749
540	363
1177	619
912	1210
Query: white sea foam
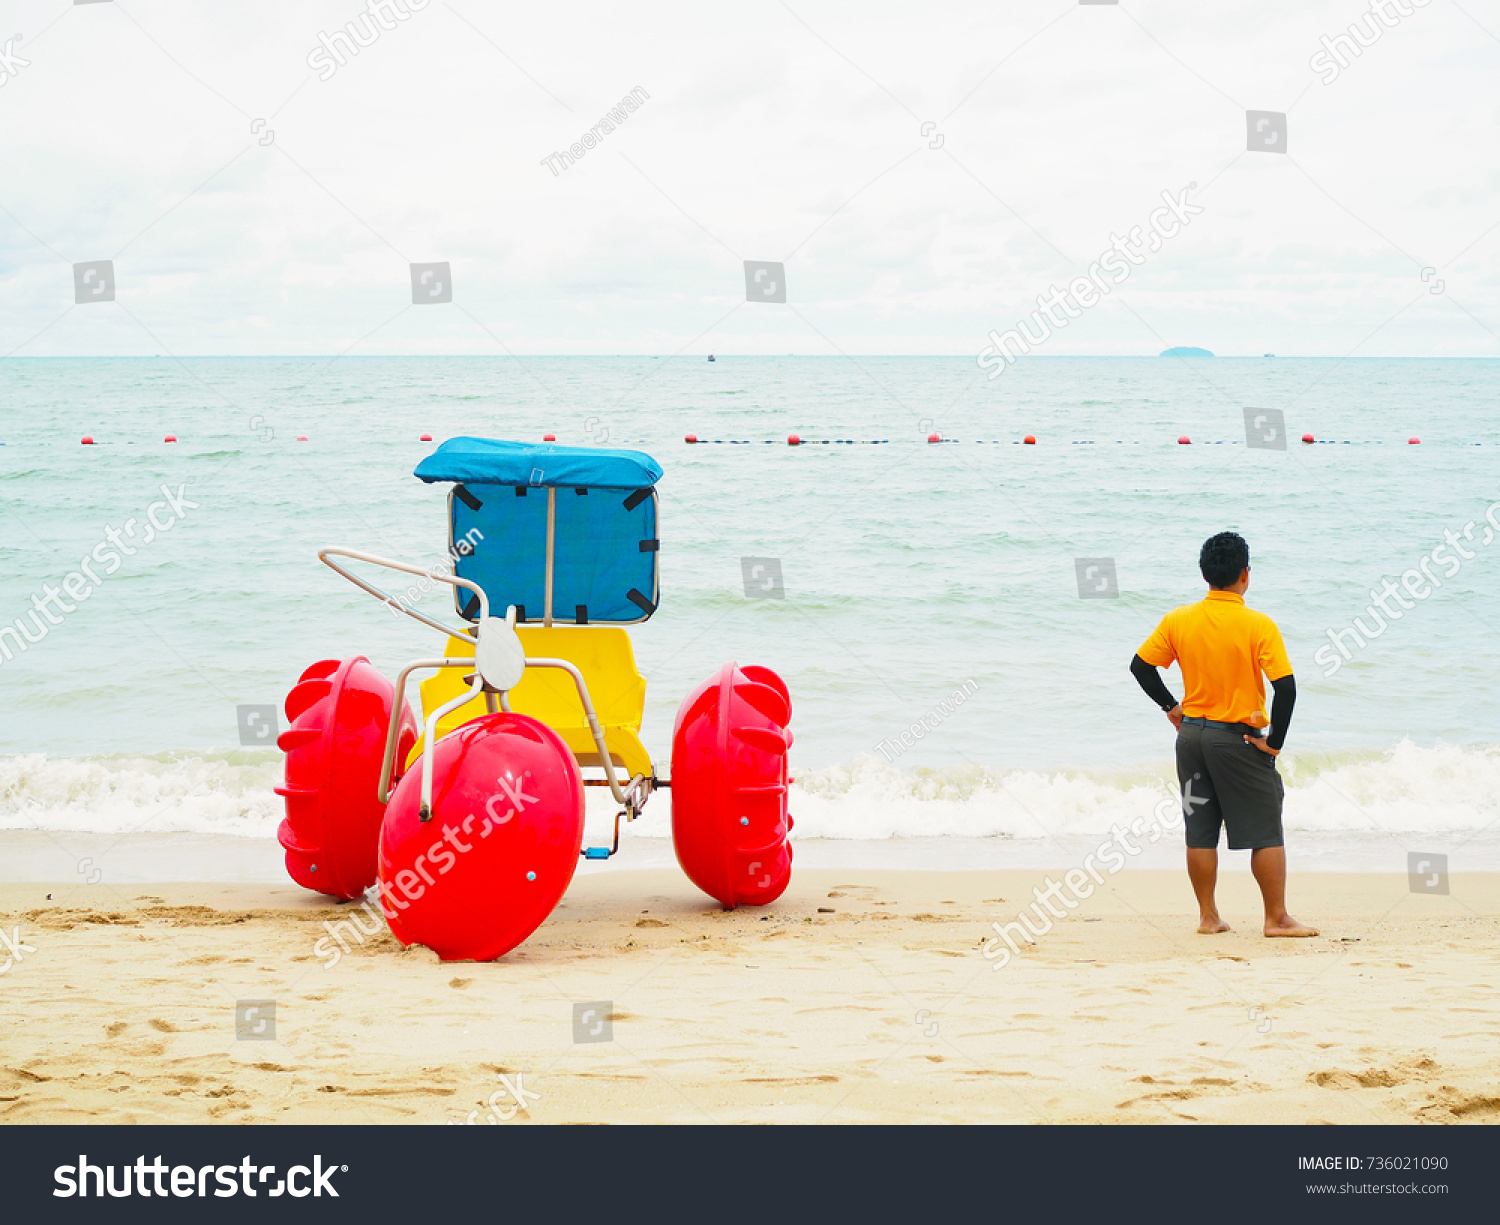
1407	789
212	793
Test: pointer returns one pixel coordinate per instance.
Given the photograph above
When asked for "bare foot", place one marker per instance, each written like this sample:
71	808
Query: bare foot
1288	926
1212	925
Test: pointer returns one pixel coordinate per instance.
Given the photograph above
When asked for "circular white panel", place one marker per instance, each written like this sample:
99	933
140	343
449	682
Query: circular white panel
499	654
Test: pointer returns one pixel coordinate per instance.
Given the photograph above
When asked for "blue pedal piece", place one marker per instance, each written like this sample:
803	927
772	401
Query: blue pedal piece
596	852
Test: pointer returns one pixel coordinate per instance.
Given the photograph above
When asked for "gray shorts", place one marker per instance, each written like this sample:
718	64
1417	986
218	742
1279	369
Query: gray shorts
1226	782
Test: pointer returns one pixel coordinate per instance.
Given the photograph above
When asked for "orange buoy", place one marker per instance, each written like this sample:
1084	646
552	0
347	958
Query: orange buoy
1030	440
88	440
549	437
1183	440
1413	441
934	438
793	441
425	438
1308	438
691	438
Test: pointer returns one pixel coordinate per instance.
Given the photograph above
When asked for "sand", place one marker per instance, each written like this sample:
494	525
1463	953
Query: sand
862	996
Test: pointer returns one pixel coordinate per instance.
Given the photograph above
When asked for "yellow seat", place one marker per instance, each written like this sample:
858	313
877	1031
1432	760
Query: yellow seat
601	652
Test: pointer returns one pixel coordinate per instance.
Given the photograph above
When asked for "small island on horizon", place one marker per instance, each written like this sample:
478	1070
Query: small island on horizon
1186	351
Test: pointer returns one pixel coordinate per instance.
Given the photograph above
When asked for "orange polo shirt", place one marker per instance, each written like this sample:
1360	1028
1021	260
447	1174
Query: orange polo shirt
1223	648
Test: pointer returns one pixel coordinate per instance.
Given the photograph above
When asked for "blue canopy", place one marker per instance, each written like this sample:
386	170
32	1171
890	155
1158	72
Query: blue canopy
487	461
598	508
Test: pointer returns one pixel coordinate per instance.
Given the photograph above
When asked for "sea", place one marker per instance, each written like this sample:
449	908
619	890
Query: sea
954	619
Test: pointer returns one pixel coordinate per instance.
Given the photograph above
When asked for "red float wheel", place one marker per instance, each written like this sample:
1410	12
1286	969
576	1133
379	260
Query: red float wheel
729	783
339	715
498	852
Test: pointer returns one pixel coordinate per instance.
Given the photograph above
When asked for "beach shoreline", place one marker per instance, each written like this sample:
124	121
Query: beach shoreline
31	856
860	996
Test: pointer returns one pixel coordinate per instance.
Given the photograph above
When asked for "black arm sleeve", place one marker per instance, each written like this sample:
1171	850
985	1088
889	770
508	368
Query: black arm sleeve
1150	680
1285	698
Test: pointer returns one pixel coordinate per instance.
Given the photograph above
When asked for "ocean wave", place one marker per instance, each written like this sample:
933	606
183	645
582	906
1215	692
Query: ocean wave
1406	789
204	793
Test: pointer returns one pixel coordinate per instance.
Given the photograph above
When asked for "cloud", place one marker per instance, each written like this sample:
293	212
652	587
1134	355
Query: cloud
923	177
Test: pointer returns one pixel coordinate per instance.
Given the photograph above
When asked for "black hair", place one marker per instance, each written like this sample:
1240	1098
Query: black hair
1223	558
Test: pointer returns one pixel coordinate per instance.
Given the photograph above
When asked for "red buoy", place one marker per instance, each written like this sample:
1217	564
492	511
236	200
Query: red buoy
1308	438
301	437
1183	440
793	441
729	781
1030	440
934	438
88	440
339	714
425	438
1413	441
170	438
549	437
500	846
691	438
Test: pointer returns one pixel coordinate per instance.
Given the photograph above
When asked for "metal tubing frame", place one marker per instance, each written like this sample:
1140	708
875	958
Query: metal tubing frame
551	552
393	732
632	796
452	579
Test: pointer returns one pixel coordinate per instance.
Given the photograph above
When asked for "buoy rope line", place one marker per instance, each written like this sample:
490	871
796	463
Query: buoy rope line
796	440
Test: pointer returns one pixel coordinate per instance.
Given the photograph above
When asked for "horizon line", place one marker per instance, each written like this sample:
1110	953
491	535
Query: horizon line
744	356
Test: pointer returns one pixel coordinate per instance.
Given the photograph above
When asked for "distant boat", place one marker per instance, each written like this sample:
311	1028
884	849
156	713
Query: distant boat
1270	355
712	358
1186	351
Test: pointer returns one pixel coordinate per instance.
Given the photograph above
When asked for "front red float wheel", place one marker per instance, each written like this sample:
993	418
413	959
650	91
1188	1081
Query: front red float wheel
499	850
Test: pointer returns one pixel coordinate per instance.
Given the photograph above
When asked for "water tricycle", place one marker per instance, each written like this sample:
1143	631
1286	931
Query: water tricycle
472	820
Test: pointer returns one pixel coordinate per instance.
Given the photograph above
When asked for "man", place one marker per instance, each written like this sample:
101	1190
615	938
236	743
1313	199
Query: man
1225	768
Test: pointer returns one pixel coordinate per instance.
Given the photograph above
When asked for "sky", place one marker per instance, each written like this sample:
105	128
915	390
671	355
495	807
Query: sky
923	172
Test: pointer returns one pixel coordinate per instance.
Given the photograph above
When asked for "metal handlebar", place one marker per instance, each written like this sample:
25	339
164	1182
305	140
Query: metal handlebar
632	796
453	580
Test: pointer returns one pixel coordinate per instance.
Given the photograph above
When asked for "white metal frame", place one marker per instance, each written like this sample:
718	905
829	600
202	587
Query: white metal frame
631	793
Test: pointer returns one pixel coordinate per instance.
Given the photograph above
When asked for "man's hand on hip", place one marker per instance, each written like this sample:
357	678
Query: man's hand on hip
1262	746
1175	715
